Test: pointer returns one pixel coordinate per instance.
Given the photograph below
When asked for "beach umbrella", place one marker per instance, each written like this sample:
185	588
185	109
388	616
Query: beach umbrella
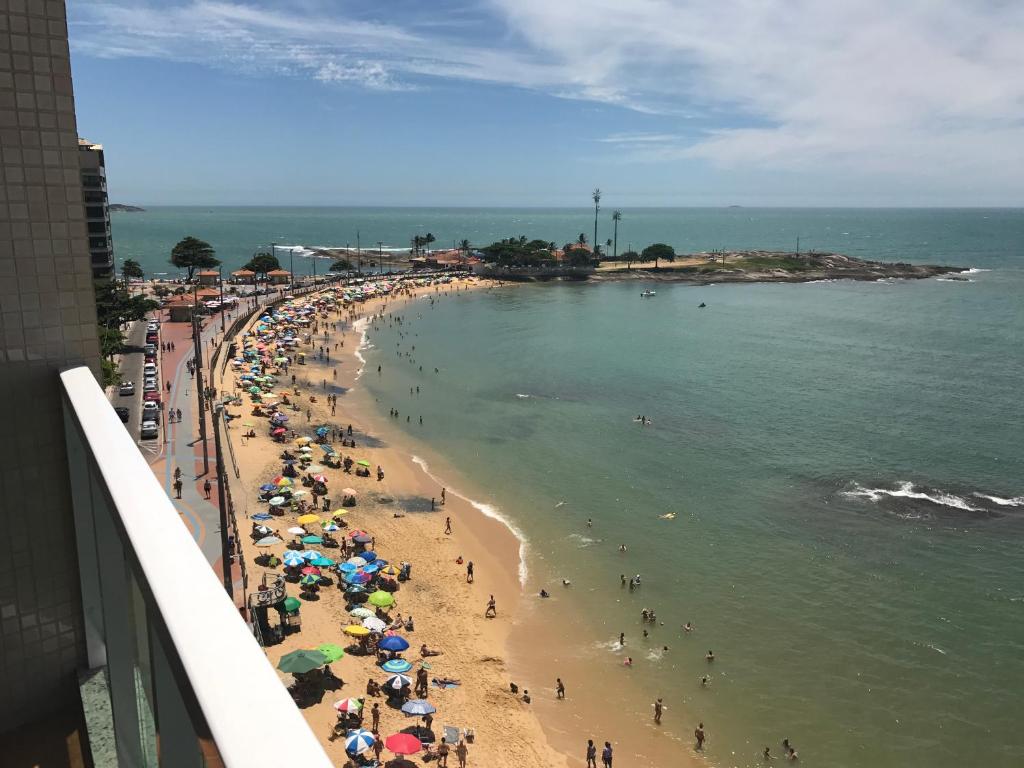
363	463
268	541
340	512
322	562
403	744
293	559
358	562
362	613
373	624
262	529
396	665
303	440
326	449
312	540
390	570
382	599
306	519
330	527
368	556
319	479
268	487
254	390
371	568
322	431
397	682
310	569
301	661
296	530
292	604
300	492
418	707
362	538
276	501
348	491
359	741
331	651
314	468
356	577
310	555
348	567
393	642
283	482
308	581
355	630
348	705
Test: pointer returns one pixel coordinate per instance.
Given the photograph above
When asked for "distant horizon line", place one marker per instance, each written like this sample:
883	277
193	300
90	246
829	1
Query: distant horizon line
590	207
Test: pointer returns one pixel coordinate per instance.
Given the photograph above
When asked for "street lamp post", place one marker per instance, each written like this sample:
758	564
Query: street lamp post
225	547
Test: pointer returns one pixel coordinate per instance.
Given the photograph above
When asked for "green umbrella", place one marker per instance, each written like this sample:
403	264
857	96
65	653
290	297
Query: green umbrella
331	651
254	390
312	540
292	603
309	580
301	661
363	463
381	599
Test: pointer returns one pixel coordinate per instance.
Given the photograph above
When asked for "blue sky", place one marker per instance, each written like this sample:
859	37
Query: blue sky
536	102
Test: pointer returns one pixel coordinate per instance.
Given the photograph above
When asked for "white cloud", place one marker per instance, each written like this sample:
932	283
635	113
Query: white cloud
860	87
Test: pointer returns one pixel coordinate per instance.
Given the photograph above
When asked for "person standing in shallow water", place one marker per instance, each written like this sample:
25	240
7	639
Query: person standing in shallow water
658	709
606	755
591	754
699	735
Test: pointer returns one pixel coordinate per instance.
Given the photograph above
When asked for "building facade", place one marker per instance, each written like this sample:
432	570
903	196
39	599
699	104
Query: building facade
47	323
97	209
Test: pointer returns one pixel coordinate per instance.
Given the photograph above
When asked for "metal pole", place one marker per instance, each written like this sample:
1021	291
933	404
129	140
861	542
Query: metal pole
225	552
314	272
198	348
220	279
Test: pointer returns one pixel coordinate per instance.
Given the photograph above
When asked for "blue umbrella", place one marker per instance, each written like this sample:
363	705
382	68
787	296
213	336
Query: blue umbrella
394	643
268	487
311	554
359	741
322	562
372	567
356	578
368	556
396	665
348	567
262	516
327	449
353	588
419	707
321	431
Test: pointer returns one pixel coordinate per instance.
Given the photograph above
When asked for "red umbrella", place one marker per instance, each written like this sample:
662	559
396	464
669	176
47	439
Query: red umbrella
353	534
311	570
278	431
403	744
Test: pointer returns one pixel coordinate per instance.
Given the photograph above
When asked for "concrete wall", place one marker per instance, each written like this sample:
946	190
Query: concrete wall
47	322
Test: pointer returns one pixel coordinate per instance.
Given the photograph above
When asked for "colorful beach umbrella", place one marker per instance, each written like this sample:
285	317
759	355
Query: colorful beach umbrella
306	519
310	555
312	540
359	741
390	570
356	630
301	661
381	599
322	562
418	707
393	642
403	744
331	651
396	665
363	463
292	604
310	580
348	705
397	682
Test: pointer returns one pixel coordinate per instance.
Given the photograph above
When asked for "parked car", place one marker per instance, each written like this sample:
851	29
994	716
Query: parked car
126	388
153	396
149	369
150	386
122	413
150	410
152	328
150	349
149	430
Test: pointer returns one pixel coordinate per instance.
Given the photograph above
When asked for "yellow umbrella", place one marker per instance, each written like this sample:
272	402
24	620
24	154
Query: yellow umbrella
283	482
303	440
308	519
390	570
340	512
356	630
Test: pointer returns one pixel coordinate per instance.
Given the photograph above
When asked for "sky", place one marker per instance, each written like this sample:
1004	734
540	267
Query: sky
537	102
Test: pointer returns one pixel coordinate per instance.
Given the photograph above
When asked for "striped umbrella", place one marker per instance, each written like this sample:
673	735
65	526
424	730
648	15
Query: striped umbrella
359	741
396	665
348	705
397	682
419	707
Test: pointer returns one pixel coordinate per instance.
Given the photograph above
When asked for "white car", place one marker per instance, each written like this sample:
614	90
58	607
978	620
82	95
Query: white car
149	369
149	430
126	388
150	411
150	386
152	328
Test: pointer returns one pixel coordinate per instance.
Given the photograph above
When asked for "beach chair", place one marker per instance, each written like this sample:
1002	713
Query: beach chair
451	735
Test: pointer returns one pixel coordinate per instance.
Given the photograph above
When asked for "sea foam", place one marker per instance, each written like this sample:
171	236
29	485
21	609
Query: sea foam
361	325
489	510
905	490
1016	501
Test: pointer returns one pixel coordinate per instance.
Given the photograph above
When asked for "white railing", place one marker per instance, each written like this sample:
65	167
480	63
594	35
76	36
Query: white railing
158	618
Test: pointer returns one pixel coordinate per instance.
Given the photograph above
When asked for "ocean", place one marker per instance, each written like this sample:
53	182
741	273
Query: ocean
842	462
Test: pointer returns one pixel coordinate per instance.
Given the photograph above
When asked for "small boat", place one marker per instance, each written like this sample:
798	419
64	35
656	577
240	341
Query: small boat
647	294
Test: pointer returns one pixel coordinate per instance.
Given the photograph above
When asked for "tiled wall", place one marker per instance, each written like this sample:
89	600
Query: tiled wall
47	322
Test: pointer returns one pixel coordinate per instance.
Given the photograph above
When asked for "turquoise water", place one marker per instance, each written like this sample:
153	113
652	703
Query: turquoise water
236	233
844	460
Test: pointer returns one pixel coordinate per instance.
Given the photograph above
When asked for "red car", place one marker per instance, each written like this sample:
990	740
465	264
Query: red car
152	396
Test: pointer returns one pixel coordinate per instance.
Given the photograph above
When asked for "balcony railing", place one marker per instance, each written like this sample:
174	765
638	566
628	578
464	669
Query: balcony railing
188	684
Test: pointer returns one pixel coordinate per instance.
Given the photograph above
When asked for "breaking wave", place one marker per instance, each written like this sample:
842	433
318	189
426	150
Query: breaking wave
489	510
906	490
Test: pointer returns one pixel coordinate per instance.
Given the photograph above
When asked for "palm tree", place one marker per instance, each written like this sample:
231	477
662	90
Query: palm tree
465	247
596	195
582	239
616	218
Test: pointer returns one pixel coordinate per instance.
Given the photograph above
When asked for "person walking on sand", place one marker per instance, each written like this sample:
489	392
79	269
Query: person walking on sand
443	490
432	504
448	526
207	487
659	707
559	688
462	752
492	610
698	734
591	754
375	716
606	755
469	572
442	753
